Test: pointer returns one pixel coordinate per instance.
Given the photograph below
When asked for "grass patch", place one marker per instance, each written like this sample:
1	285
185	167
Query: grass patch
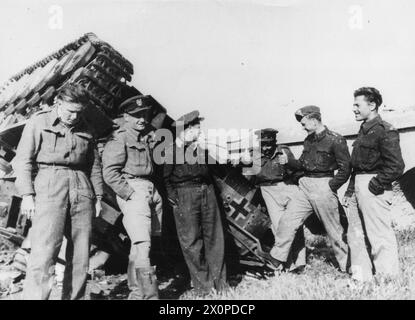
319	281
322	281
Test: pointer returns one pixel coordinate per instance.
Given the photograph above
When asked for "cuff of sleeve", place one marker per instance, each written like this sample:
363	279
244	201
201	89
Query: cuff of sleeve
27	194
171	192
349	193
99	192
375	187
24	186
332	187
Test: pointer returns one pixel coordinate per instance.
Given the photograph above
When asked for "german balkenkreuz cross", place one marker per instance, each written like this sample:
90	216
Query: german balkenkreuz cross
239	209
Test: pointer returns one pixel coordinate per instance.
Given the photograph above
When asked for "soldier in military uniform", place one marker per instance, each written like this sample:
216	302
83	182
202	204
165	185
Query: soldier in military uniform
280	191
127	168
376	162
190	189
324	152
61	201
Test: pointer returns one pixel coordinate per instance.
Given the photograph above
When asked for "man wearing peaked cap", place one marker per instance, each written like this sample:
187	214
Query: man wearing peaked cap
137	105
128	169
278	186
267	135
324	152
191	193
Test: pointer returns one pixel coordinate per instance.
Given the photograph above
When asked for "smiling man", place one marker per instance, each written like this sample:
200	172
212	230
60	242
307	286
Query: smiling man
60	200
324	152
376	163
280	192
128	169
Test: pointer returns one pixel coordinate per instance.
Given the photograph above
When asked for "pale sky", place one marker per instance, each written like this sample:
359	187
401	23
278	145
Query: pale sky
243	64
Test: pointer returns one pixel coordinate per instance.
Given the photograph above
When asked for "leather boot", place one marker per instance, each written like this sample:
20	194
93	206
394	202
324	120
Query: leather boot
134	285
147	278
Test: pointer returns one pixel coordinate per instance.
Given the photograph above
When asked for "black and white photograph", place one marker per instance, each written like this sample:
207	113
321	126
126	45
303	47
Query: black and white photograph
214	150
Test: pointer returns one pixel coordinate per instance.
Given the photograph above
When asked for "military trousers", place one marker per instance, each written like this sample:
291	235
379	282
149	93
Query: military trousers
64	205
141	216
280	200
360	262
377	223
201	237
316	197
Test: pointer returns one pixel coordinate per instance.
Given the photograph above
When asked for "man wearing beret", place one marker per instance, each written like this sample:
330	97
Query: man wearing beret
61	201
190	190
324	152
127	169
280	191
376	162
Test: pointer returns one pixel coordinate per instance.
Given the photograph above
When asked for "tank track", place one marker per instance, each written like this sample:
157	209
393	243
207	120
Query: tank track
88	61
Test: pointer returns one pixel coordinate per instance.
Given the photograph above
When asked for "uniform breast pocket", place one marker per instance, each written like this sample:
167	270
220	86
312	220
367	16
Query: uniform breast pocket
136	155
51	140
368	152
83	143
307	159
325	158
196	169
179	170
276	168
306	150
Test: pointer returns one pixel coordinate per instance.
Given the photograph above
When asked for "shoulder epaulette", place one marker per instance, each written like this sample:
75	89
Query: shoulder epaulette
41	112
120	130
335	134
388	126
117	133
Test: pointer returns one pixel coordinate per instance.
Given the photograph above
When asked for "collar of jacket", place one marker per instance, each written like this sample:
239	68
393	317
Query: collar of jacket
132	132
54	117
367	125
277	150
55	120
318	136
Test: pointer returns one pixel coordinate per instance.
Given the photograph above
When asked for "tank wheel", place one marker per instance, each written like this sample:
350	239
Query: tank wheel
48	94
81	57
20	106
44	76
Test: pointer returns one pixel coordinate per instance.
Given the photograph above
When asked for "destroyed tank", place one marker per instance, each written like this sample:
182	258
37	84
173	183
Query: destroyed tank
105	73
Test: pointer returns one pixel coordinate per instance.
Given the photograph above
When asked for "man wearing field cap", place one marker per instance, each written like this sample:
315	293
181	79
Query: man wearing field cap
127	169
61	199
376	162
280	191
191	192
324	152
